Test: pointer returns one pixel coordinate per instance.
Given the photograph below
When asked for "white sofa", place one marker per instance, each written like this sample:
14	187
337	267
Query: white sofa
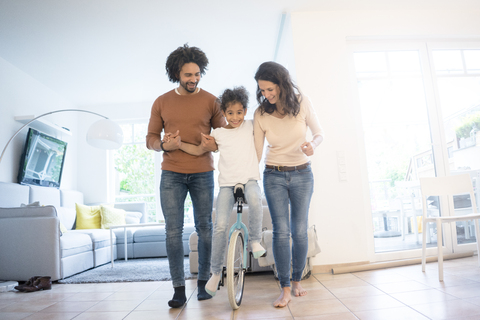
31	242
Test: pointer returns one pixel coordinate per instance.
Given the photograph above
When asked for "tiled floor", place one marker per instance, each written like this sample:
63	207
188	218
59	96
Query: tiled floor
387	294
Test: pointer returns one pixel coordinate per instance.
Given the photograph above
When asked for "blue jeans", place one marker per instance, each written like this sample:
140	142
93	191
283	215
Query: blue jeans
173	191
225	202
288	196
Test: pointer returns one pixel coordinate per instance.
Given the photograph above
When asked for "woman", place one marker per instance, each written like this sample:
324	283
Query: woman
283	117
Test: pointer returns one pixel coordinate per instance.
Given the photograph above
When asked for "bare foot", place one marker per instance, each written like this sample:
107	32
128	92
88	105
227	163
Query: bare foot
297	289
284	298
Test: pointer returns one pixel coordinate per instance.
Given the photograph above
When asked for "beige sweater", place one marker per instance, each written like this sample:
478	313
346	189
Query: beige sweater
285	136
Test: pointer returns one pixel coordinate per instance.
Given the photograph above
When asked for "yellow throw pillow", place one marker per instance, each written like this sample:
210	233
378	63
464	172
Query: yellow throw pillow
88	217
112	217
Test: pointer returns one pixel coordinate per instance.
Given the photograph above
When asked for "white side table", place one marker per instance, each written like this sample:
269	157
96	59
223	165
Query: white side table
125	226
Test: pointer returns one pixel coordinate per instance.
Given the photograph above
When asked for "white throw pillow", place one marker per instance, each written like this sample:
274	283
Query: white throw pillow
133	217
33	204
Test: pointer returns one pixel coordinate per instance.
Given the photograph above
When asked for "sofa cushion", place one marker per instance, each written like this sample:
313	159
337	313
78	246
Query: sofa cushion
88	217
72	243
157	233
46	195
120	235
111	217
13	194
149	234
100	238
68	198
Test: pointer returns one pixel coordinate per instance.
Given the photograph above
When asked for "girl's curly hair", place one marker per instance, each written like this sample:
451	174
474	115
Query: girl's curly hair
182	55
230	96
290	96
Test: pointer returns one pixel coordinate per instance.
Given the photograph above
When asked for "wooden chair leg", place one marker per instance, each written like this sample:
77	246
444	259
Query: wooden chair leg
440	249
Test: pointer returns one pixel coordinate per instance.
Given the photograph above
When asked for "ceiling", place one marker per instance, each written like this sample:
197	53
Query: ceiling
103	52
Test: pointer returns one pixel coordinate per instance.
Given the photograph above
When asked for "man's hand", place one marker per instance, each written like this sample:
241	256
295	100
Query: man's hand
172	141
208	143
307	148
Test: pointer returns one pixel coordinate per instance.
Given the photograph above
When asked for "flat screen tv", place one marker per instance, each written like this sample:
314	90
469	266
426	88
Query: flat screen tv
42	160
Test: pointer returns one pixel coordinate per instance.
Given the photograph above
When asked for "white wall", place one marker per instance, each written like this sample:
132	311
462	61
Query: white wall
85	167
341	210
20	95
92	162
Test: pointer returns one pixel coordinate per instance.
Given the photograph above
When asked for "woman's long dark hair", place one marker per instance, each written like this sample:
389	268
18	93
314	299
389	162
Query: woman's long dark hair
182	55
290	96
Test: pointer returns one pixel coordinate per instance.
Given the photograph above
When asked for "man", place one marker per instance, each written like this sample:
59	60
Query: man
186	114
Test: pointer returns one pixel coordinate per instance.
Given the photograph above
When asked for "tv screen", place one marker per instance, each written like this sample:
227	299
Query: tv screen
42	160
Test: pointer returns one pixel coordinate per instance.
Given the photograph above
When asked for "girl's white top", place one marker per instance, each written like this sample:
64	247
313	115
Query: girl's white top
238	160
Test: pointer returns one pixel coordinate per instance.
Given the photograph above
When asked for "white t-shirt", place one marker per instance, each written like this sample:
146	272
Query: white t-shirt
238	159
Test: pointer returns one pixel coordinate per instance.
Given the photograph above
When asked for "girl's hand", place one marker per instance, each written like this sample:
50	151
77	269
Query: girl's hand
307	148
208	143
172	141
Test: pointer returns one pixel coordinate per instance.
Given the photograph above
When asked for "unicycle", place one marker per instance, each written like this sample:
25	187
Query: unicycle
237	252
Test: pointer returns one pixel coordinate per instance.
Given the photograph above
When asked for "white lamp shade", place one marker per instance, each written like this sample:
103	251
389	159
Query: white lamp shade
105	134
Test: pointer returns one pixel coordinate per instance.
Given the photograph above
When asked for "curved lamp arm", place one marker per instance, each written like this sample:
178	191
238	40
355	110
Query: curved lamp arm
118	138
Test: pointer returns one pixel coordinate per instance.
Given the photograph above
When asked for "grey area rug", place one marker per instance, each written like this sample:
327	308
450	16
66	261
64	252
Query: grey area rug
132	270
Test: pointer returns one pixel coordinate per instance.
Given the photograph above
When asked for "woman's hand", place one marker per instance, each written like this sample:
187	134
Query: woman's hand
307	148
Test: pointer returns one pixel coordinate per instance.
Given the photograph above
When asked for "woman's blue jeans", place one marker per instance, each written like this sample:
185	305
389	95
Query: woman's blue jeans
288	196
225	202
173	191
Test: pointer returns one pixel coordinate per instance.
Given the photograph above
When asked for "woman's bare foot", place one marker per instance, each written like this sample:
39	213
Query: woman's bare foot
297	289
284	298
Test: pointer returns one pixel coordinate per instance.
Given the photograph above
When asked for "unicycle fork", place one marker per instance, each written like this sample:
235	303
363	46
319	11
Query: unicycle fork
237	252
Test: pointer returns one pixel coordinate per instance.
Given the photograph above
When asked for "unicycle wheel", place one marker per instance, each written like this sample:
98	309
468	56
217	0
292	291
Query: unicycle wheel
235	269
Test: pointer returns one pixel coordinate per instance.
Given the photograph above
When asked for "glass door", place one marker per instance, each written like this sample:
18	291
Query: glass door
420	106
456	73
398	143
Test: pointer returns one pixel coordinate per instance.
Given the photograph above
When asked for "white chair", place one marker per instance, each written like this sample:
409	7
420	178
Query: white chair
447	187
410	205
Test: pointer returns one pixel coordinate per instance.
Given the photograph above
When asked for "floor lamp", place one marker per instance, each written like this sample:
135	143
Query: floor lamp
103	134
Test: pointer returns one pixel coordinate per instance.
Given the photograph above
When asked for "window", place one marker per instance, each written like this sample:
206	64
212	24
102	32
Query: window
134	169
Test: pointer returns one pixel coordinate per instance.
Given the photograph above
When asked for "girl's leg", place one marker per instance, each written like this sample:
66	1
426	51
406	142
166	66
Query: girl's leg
301	190
220	236
253	195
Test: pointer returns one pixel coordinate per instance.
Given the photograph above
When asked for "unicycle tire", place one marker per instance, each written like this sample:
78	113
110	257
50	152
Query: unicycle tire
235	269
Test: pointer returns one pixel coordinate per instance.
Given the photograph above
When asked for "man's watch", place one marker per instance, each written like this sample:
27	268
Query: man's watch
161	146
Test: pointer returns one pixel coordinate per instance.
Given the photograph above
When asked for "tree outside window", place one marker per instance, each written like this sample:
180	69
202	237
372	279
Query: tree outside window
135	169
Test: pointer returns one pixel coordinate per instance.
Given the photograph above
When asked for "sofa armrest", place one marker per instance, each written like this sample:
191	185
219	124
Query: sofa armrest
29	246
134	206
28	212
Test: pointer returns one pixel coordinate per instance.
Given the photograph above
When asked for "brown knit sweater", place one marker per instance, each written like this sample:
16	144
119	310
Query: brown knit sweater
191	115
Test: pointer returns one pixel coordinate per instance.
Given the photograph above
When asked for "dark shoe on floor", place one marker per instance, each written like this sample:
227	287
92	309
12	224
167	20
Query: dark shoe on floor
29	283
42	283
179	298
202	294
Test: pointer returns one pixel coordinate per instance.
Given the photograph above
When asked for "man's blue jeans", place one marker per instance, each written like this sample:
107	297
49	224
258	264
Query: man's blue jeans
288	196
173	191
225	203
